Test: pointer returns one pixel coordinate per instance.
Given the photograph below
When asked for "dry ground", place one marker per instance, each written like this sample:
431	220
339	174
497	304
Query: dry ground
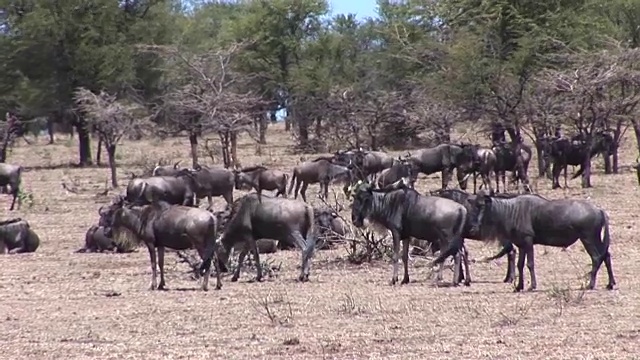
58	304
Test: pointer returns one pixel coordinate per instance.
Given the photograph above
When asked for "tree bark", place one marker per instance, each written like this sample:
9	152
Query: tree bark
234	149
193	141
50	130
224	141
84	142
111	153
263	124
99	151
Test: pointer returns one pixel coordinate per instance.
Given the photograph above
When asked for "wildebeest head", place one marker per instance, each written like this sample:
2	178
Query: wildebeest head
362	201
479	209
324	218
244	178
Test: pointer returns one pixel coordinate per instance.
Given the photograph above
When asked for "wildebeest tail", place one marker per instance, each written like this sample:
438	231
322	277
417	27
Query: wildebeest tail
606	238
293	179
578	173
210	248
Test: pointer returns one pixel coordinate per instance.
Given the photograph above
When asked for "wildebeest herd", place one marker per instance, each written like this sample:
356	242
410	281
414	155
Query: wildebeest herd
162	210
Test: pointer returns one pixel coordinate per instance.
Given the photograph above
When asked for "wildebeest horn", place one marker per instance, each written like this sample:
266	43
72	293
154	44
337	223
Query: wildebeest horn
175	166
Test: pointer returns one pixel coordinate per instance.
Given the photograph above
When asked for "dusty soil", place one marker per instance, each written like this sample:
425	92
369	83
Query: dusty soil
58	304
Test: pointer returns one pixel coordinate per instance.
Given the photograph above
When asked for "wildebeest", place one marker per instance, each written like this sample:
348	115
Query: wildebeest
166	170
271	218
484	163
508	158
366	164
11	175
401	168
177	227
408	214
96	240
260	178
16	236
329	226
176	190
209	181
529	220
467	200
320	171
443	158
575	152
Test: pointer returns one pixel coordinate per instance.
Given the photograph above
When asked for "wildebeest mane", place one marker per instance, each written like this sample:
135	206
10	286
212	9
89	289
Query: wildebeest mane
253	168
10	221
514	213
324	157
388	202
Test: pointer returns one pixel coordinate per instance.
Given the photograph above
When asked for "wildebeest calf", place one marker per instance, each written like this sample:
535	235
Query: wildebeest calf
260	178
10	175
96	240
320	171
16	236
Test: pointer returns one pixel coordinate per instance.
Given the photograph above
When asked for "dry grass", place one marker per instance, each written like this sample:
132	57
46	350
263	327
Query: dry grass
57	304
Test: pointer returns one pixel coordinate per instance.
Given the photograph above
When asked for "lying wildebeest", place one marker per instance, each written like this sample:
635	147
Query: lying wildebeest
484	163
176	190
177	227
96	240
401	168
467	200
166	170
576	152
528	220
408	214
10	175
509	159
16	236
271	218
443	158
330	227
366	164
320	171
208	182
260	178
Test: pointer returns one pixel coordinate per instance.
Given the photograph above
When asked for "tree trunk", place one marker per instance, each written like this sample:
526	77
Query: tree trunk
287	120
99	151
224	141
234	149
193	141
586	175
318	130
50	130
111	153
263	124
303	132
84	142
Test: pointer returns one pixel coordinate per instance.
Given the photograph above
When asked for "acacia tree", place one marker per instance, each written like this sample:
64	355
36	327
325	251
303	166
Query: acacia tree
111	118
206	95
9	130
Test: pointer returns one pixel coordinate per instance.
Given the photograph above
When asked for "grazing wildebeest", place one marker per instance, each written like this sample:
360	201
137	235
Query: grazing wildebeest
484	163
408	214
529	220
176	190
10	175
208	182
576	152
97	241
260	178
366	164
320	171
166	170
271	218
330	227
177	227
467	200
508	158
401	168
443	158
16	236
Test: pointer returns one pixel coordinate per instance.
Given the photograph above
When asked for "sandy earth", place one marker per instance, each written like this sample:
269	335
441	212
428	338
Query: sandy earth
59	304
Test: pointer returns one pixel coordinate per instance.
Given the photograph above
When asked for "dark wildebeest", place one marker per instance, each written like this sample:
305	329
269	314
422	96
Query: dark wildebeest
271	218
484	163
467	200
16	236
366	164
176	190
408	214
508	158
10	175
166	170
576	152
443	158
529	220
260	178
96	240
400	169
177	227
320	171
208	182
330	227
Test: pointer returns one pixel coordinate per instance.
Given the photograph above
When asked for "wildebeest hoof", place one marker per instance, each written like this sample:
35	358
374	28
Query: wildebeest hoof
405	281
531	288
218	287
467	283
517	289
610	286
303	278
234	279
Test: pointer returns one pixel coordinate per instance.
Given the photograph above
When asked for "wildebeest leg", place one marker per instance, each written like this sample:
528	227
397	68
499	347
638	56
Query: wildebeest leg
405	260
15	196
210	200
456	268
465	258
521	256
154	264
497	181
396	256
607	263
18	250
254	248
303	191
307	248
228	197
531	267
297	189
3	248
205	277
511	266
243	253
565	177
161	265
555	172
445	178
